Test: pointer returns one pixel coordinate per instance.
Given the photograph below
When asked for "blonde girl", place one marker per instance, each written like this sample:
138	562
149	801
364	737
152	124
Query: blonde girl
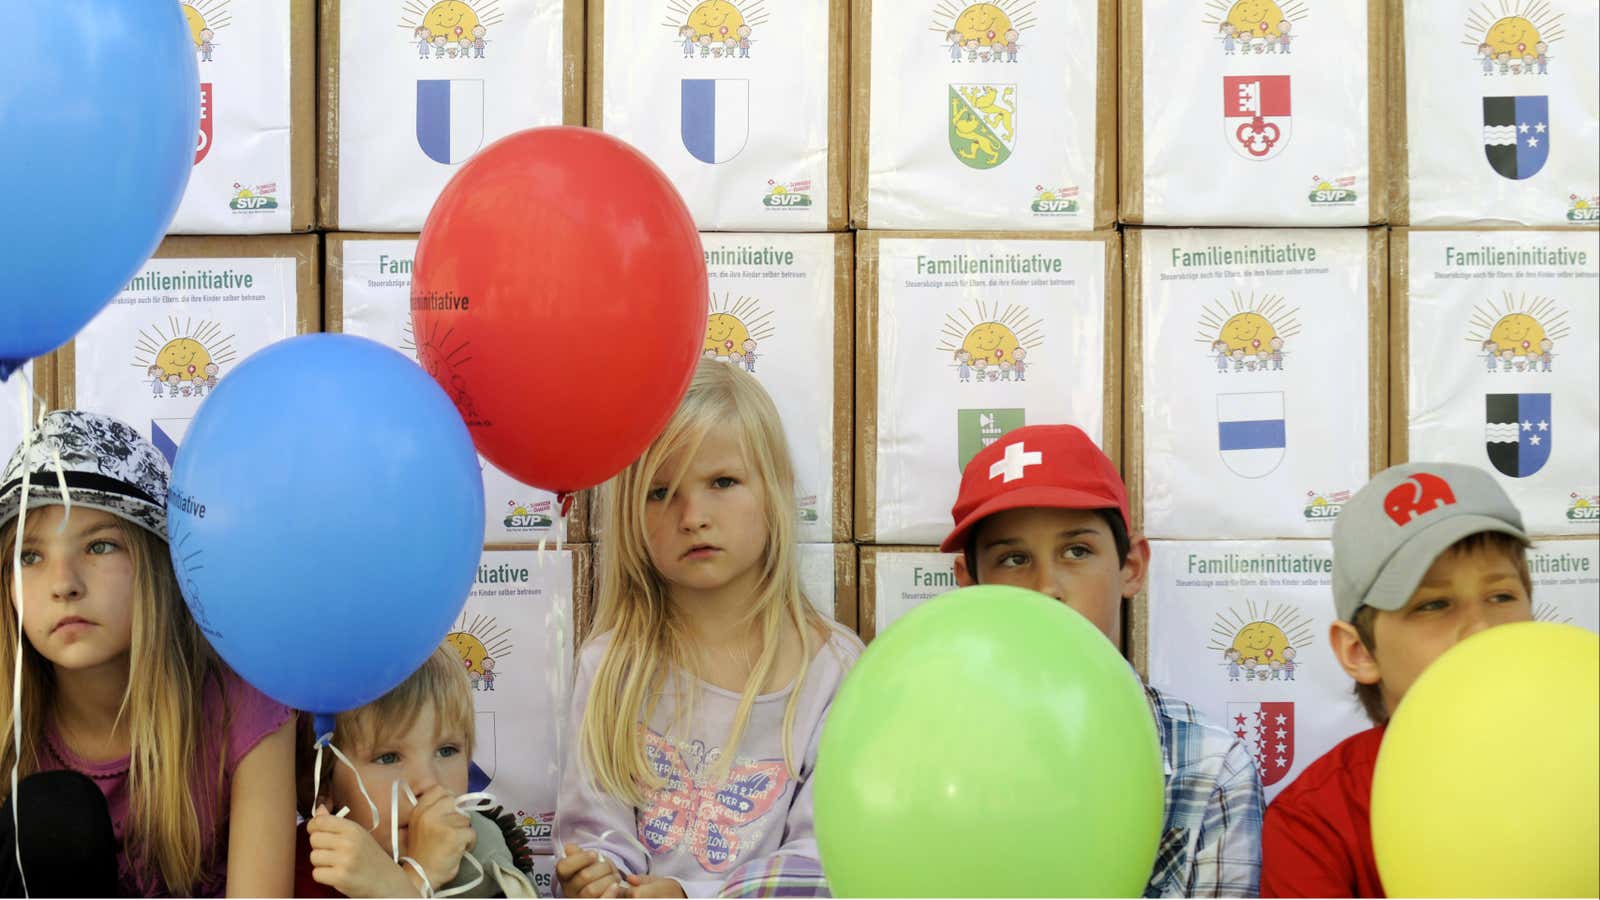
147	767
700	699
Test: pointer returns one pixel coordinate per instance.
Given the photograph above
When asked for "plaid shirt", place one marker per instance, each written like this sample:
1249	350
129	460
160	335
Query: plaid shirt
779	875
1211	838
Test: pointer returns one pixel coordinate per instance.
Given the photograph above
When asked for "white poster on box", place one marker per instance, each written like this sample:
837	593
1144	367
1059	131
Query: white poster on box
515	640
772	314
1566	582
1240	630
423	86
730	99
177	328
983	116
1272	130
240	183
902	581
819	575
975	338
1504	365
376	281
1502	112
544	875
13	408
1244	331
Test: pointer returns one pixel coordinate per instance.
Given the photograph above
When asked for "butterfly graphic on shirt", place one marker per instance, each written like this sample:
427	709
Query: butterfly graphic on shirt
705	818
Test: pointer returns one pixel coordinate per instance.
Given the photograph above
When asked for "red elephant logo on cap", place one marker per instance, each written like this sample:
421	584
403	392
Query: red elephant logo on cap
1420	494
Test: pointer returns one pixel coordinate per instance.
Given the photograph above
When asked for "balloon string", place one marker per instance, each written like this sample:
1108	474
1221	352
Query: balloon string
327	741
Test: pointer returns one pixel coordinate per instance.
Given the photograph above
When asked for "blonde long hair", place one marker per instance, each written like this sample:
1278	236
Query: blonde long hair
648	641
170	667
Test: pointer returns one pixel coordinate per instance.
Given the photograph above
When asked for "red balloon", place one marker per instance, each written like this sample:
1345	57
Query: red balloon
559	296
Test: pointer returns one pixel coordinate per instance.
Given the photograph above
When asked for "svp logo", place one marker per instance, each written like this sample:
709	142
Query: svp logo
254	198
1584	508
528	516
1324	506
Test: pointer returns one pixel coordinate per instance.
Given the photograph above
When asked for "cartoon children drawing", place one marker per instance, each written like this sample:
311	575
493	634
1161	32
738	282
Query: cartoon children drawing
1238	360
962	369
478	43
744	41
1226	30
1011	45
750	355
424	39
978	367
954	37
211	376
172	385
1220	348
705	46
1544	59
1277	353
1232	656
156	377
206	44
1487	52
488	673
1005	371
1545	355
1491	354
1276	666
439	43
1283	35
687	33
1288	663
1020	367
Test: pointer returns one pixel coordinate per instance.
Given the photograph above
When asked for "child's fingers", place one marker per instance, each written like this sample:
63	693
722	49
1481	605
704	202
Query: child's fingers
325	858
601	886
593	881
576	861
635	880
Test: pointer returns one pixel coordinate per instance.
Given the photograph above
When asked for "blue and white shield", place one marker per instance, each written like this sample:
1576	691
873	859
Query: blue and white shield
449	118
1517	432
1516	134
716	118
1251	432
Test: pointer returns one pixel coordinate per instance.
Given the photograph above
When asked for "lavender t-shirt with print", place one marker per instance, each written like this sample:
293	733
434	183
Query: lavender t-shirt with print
693	829
250	717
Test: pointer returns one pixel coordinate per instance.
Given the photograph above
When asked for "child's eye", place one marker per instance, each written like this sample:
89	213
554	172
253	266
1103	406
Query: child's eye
449	750
1432	605
101	548
725	482
30	557
1504	598
1012	560
656	495
1078	551
386	759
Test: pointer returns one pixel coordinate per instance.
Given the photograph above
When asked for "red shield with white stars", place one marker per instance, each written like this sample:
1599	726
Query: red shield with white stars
1267	729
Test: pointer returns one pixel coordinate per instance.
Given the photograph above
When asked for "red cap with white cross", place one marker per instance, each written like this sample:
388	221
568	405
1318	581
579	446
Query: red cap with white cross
1052	466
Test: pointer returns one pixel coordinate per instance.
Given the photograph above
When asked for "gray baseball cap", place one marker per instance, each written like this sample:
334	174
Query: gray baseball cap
1388	534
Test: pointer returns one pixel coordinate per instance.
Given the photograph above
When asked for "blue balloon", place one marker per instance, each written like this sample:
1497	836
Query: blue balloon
98	122
326	519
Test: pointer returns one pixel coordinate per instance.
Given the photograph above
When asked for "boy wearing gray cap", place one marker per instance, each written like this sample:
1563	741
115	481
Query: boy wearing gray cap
1425	555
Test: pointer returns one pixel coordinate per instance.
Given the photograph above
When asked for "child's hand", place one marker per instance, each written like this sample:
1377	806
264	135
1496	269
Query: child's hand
345	857
439	836
584	874
653	886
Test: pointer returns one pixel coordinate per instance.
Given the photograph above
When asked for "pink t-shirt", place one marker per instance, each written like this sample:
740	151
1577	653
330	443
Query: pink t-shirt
251	716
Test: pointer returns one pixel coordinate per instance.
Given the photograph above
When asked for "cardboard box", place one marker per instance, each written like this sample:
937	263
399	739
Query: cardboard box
1039	156
782	308
1056	297
1215	142
195	310
368	293
396	125
896	579
1455	295
517	636
828	576
1445	98
255	158
775	158
1288	306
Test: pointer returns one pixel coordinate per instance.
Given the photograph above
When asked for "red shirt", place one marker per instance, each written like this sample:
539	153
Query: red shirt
1316	838
304	884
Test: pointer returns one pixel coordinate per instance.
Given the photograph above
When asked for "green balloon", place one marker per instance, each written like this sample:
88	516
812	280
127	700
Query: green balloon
992	743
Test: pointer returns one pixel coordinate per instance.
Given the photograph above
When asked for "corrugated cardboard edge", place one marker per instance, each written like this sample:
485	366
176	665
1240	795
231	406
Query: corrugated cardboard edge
1105	99
1379	36
44	384
846	602
1377	349
304	249
867	348
595	70
303	115
328	120
1399	343
860	108
844	371
333	321
839	144
572	62
1400	161
1133	371
865	360
1130	164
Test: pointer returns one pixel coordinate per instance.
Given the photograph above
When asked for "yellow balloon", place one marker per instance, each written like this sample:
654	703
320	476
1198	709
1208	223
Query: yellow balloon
1488	781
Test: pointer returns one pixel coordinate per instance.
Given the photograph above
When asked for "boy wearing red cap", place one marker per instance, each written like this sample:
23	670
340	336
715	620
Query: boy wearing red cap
1043	508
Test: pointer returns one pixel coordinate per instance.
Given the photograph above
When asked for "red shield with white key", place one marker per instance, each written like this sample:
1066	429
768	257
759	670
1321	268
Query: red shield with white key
1255	114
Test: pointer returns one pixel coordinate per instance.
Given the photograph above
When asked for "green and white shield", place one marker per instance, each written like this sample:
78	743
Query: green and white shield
983	123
